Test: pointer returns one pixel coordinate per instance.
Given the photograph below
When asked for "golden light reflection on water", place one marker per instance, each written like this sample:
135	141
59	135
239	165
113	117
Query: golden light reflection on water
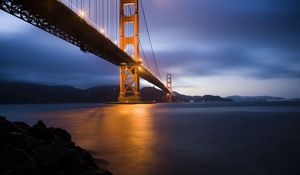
117	133
131	126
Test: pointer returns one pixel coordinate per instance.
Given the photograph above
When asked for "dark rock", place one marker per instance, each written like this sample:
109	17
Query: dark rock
26	150
21	126
19	140
69	160
77	161
41	132
48	157
2	119
6	126
61	135
16	161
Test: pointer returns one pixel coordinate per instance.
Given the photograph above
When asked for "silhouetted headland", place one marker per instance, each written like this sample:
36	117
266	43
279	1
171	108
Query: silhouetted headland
41	150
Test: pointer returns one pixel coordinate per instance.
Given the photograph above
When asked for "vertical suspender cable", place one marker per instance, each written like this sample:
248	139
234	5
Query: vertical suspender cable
102	16
96	13
117	20
89	9
101	12
144	55
130	12
107	16
147	28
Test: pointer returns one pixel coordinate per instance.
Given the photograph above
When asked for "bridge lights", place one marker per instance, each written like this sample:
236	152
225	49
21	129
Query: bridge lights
102	31
81	14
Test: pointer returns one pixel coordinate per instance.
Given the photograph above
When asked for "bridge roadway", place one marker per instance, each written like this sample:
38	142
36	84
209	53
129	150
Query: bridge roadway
55	18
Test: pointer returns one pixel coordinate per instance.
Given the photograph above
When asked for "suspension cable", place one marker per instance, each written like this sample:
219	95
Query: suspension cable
117	17
148	33
144	55
140	43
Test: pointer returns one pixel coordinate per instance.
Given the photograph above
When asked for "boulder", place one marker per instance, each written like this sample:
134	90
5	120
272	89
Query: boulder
41	132
36	150
6	126
61	135
16	161
21	126
19	140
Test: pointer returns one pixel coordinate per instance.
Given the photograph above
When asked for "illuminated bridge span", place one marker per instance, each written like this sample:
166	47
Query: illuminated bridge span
108	29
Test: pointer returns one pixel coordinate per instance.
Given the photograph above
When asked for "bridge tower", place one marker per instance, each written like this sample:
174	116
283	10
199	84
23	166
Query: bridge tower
169	86
129	42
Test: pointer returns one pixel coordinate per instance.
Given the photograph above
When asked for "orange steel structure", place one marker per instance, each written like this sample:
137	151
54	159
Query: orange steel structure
169	86
129	78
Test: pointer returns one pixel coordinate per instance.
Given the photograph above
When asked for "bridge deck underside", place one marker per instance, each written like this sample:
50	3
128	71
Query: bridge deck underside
57	19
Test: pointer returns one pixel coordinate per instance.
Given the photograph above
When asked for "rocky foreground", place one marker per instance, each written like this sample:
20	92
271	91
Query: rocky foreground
36	150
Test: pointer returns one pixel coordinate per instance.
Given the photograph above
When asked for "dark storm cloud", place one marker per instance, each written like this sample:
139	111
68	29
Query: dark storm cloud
230	16
40	57
261	21
261	64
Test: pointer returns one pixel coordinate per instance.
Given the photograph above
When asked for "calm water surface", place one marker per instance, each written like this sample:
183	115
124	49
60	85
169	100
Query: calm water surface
162	139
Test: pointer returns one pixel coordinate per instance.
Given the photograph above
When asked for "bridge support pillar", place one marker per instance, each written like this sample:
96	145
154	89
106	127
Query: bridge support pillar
169	96
129	42
129	85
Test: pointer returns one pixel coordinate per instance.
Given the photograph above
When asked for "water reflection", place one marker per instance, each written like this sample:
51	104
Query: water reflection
131	133
118	133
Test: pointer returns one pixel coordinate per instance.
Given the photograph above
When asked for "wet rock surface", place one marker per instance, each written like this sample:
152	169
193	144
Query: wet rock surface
36	150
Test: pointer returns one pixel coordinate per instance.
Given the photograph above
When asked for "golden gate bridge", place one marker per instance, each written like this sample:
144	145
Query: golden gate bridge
109	29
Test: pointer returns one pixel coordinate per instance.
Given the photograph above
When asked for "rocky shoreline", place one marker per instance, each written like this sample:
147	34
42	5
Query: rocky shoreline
39	149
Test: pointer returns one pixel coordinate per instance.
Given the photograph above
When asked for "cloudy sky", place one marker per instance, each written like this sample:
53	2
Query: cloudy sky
220	47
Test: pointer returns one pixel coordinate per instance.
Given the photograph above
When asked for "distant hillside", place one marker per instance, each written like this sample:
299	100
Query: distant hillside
237	98
206	98
152	94
11	93
295	99
38	93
